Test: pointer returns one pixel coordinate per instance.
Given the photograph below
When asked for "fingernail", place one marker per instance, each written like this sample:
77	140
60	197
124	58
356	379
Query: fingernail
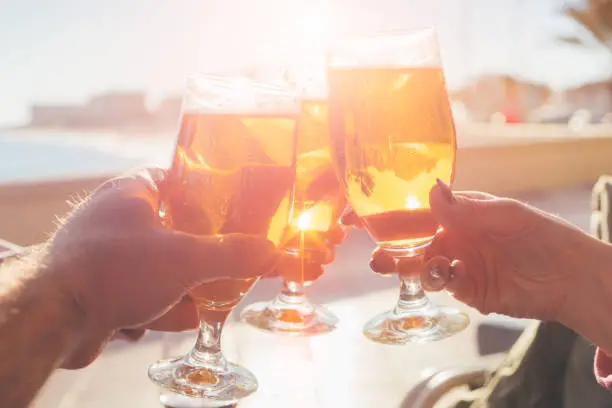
446	191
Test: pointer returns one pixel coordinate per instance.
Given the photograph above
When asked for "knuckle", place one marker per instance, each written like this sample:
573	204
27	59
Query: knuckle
512	205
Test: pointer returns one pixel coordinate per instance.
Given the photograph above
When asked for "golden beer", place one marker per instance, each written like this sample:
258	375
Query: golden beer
394	136
318	199
317	202
231	174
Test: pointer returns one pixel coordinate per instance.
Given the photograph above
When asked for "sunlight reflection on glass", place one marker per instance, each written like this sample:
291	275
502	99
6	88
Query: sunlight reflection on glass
317	218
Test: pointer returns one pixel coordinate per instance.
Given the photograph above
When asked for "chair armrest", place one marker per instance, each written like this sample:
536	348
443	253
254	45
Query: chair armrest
430	391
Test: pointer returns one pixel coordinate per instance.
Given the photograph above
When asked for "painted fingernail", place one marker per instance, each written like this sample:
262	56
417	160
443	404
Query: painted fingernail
446	191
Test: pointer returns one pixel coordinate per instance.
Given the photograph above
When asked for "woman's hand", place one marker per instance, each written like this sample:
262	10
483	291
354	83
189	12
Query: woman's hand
503	256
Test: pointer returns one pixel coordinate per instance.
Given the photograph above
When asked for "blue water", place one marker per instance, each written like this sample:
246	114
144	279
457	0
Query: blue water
44	156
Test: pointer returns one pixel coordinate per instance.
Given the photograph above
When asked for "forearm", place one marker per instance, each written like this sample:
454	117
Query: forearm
38	327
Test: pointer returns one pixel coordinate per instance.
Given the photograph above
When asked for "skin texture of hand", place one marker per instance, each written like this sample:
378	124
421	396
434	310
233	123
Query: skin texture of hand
507	257
513	259
124	270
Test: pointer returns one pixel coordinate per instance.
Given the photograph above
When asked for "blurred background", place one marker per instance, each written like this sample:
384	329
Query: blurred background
102	73
90	89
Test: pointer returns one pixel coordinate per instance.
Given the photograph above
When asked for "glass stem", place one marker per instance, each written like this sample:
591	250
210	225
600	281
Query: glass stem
207	350
412	297
292	294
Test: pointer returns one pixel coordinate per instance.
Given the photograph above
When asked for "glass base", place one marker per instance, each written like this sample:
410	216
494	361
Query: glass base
172	400
295	316
214	386
420	326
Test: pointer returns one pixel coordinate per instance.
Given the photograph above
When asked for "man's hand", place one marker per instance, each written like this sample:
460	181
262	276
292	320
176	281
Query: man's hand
321	251
124	270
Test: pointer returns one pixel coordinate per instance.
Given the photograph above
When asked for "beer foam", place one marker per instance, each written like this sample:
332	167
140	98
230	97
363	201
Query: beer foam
412	49
237	95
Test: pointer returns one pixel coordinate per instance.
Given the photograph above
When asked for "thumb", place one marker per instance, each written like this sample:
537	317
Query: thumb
201	258
468	214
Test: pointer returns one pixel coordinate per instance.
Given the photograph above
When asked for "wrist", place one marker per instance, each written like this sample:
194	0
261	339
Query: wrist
588	309
36	305
70	312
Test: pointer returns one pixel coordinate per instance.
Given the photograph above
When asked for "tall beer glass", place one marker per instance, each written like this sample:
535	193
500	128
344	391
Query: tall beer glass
317	206
393	136
233	171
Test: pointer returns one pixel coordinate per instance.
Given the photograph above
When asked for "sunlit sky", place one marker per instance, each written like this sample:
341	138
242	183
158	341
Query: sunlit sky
67	50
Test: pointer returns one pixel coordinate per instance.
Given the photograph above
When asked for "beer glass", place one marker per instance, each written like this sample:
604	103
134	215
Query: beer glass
393	136
318	202
232	172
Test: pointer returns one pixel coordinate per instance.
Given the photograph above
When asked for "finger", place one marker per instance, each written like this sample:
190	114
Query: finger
152	176
450	245
476	195
470	216
312	272
453	277
136	179
294	269
87	351
183	316
337	234
350	219
131	335
460	283
130	200
195	259
323	256
382	262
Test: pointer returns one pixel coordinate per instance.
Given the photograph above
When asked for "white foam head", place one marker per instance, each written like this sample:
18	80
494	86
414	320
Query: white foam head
394	49
237	95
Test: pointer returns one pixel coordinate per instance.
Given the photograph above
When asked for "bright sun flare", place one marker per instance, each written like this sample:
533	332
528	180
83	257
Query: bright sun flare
314	29
412	203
